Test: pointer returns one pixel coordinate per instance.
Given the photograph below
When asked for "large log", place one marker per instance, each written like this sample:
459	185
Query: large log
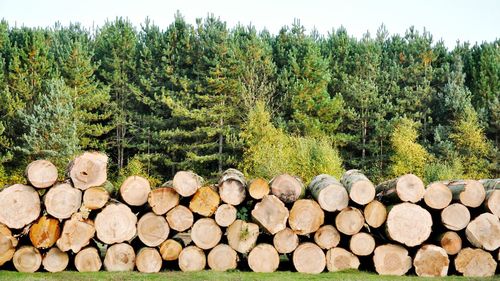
135	190
205	233
242	236
95	198
338	259
27	259
306	216
484	232
205	201
186	183
471	193
437	196
55	260
391	259
41	173
76	234
408	224
115	224
492	202
225	215
7	244
258	188
362	244
451	242
327	237
329	192
375	214
222	258
309	258
20	206
180	218
148	260
287	188
431	261
170	250
271	214
119	257
63	200
163	199
349	221
475	263
88	260
45	232
232	187
406	188
152	229
285	241
361	189
88	170
192	258
263	258
455	217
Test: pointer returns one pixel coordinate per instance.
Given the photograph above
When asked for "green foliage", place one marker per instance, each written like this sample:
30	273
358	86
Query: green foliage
135	167
439	171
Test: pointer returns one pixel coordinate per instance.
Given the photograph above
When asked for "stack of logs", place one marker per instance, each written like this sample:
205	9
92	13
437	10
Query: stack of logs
394	228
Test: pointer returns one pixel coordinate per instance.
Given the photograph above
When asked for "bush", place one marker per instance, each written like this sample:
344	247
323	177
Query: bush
439	171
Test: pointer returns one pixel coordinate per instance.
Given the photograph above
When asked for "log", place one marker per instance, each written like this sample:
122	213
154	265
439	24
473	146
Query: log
232	187
338	259
192	258
95	198
361	190
205	233
242	236
76	234
437	196
484	232
20	206
44	232
263	258
362	244
329	192
391	259
258	188
186	183
222	258
431	261
225	215
41	173
88	170
55	260
375	214
455	217
327	237
306	216
493	202
406	188
490	184
271	214
309	258
163	199
27	259
287	188
180	218
408	224
205	201
285	241
471	193
63	200
115	224
152	229
135	190
170	250
88	260
349	221
451	242
148	260
120	257
7	244
475	263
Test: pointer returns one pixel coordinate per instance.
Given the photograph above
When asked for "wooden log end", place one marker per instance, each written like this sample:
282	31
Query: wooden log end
362	244
88	170
20	206
27	259
455	217
192	258
148	260
271	213
135	190
55	260
263	258
375	214
475	263
222	258
451	242
41	173
225	215
163	199
258	188
309	258
391	259
437	196
205	233
152	229
180	218
338	259
484	232
409	224
120	257
88	260
349	221
306	216
286	241
431	261
186	183
327	237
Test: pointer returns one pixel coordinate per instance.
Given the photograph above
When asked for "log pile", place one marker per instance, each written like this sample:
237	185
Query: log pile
397	227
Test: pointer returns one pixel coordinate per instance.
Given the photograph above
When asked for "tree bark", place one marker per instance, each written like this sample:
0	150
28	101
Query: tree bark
271	214
152	229
186	183
205	201
45	232
484	232
287	188
170	250
361	189
309	258
339	259
258	188
242	236
148	260
7	244
192	258
471	193
263	258
88	260
180	218
135	190
76	234
362	244
163	199
115	224
120	257
222	258
349	221
431	261
41	173
391	259
327	237
225	215
95	198
408	224
55	260
455	217
330	193
63	200
27	259
232	187
375	214
475	263
437	196
406	188
20	206
306	216
205	233
285	241
88	170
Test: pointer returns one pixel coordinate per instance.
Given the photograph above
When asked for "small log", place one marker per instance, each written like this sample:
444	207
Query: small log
455	217
285	241
63	200
41	173
148	260
115	224
309	258
484	232
406	188
437	196
76	234
492	202
135	190
180	218
44	232
391	259
362	244
7	244
490	184
205	201
451	242
192	258
471	193
152	229
287	188
349	221
329	192
170	250
55	260
27	259
186	183
327	237
263	258
205	233
20	206
163	199
306	216
375	214
408	224
95	198
361	189
431	261
88	170
88	260
475	263
338	259
232	187
258	188
242	236
222	258
271	214
225	215
120	257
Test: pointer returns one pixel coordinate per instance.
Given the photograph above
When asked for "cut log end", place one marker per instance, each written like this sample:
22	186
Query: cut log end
258	188
7	244
63	200
88	260
192	258
306	216
484	232
44	232
437	196
135	190
309	258
455	217
431	261
205	201
287	188
451	242
120	257
95	198
271	214
475	263
55	260
170	250
152	229
327	237
222	258
493	202
242	236
361	189
186	183
76	234
338	259
27	259
349	221
180	218
471	193
88	170
205	233
232	191
263	258
41	173
409	224
225	215
285	241
148	260
20	206
391	259
375	214
362	244
115	224
329	193
163	199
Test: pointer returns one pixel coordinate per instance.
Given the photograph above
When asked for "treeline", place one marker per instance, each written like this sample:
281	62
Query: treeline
207	97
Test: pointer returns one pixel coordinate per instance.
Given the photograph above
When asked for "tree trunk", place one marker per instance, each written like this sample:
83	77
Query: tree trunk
20	206
263	258
186	183
115	224
391	259
232	187
27	259
475	263
455	217
287	188
170	250
88	170
361	189
258	188
135	190
492	202
45	232
406	188
76	234
271	214
451	242
431	261
41	173
88	260
163	199
309	258
148	260
205	201
225	215
375	214
471	193
408	224
437	196
330	193
95	198
152	229
120	257
484	232
285	241
222	258
206	234
180	218
7	244
339	259
362	244
490	184
192	258
242	236
306	216
55	260
349	221
63	200
327	237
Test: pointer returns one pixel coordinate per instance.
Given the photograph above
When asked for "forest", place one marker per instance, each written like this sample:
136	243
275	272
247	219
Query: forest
206	97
